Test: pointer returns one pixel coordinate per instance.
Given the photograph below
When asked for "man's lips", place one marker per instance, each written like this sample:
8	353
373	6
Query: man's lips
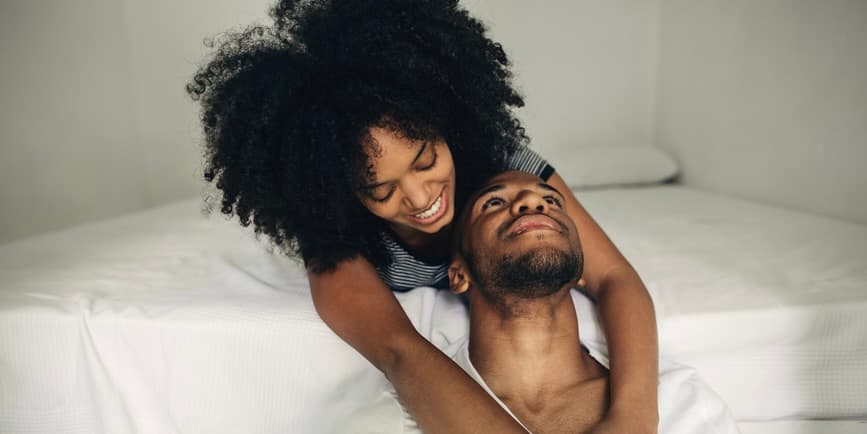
529	222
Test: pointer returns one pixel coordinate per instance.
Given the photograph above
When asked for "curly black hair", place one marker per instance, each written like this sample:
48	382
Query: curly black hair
286	109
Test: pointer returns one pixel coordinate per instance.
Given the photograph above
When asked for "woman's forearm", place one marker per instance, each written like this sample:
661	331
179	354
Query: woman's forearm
626	312
628	318
355	303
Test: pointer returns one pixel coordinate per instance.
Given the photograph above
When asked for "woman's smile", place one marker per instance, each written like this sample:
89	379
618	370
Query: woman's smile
436	211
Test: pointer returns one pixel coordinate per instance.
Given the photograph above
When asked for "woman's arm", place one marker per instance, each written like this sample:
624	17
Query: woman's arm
355	302
629	321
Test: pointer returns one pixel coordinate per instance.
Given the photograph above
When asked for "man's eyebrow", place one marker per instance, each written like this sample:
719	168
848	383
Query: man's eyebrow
489	189
550	187
417	156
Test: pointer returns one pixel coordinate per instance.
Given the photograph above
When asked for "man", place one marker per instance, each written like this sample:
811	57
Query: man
517	256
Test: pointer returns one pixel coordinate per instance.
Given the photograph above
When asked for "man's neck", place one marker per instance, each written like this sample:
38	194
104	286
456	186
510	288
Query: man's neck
528	350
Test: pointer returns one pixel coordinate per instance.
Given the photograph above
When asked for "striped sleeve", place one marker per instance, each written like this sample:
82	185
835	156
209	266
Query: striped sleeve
407	271
526	160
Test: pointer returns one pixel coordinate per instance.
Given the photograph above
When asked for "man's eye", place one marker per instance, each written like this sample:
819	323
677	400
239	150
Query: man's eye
494	201
553	200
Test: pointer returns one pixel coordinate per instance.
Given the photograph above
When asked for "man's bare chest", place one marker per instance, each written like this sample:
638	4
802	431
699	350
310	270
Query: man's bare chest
577	411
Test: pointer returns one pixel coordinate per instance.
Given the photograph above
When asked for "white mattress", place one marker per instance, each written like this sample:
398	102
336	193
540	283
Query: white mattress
165	321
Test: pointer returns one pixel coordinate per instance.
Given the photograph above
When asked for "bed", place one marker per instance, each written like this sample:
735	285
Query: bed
169	321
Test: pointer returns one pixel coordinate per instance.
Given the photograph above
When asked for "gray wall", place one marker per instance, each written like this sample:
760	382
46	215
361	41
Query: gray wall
94	120
586	67
69	150
767	100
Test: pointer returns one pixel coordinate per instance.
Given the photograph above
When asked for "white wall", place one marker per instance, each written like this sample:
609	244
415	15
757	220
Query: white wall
767	100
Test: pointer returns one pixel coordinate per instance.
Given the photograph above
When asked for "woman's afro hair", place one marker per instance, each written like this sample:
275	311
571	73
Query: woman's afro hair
286	109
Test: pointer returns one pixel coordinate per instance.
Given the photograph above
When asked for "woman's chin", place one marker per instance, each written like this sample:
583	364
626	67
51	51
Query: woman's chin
428	229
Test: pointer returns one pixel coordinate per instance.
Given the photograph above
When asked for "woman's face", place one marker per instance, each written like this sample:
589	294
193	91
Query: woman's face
414	183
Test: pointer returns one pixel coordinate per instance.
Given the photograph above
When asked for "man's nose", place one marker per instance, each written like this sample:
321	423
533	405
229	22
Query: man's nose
529	202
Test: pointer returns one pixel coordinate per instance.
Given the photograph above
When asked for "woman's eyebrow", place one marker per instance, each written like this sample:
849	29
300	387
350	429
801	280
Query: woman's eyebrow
417	156
373	186
420	151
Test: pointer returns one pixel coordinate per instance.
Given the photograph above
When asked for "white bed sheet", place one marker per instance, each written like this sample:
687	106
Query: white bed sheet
805	427
167	322
770	305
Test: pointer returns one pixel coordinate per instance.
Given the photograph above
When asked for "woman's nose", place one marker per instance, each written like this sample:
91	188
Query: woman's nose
415	195
529	202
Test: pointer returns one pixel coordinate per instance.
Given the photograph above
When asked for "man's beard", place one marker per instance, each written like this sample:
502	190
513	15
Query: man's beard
535	274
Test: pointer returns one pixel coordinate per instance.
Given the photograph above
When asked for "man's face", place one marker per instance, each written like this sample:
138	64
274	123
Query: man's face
516	237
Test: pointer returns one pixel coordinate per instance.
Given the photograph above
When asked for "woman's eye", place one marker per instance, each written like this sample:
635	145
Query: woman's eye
381	199
380	195
430	160
552	200
494	201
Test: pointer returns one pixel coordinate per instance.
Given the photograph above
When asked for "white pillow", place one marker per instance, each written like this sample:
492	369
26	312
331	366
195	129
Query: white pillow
598	166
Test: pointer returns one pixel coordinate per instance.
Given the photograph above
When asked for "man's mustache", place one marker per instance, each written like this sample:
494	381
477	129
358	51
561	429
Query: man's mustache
501	231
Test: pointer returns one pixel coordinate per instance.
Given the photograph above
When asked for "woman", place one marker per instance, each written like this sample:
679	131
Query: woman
349	133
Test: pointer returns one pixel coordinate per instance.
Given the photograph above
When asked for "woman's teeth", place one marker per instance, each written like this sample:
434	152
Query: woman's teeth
432	210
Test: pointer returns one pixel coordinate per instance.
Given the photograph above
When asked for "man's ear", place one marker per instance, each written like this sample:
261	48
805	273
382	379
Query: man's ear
459	279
